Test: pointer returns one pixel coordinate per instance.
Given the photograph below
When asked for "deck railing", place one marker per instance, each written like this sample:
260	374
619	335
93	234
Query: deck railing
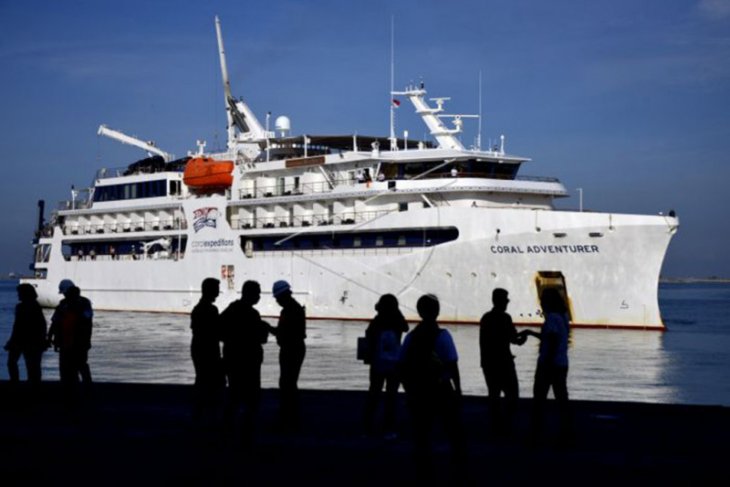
144	225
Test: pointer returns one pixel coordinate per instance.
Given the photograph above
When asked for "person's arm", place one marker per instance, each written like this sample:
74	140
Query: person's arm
515	338
264	329
453	368
53	330
533	333
450	357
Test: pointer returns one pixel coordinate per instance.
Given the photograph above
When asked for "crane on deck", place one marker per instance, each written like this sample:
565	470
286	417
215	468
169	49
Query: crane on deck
148	146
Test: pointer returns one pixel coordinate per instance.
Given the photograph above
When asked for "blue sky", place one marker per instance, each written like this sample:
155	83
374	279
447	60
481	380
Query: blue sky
627	100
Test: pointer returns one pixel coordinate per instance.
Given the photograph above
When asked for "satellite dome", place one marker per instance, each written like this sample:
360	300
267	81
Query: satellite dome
283	125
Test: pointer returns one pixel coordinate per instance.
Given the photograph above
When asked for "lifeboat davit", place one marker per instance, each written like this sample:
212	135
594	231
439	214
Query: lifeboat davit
206	174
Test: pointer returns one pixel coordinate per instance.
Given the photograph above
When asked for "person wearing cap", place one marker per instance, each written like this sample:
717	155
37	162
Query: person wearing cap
70	334
290	334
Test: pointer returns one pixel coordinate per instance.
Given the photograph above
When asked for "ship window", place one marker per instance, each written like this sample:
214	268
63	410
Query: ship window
403	206
144	189
174	187
426	237
43	253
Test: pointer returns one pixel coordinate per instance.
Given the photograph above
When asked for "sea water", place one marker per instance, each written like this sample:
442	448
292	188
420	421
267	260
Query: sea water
687	364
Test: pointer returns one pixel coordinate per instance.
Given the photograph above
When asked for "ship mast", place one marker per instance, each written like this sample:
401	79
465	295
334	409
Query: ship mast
391	102
445	136
240	117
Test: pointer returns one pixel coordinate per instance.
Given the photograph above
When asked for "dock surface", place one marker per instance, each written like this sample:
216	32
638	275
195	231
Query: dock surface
143	434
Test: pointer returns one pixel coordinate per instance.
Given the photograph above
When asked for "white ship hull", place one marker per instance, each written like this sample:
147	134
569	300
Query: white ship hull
610	265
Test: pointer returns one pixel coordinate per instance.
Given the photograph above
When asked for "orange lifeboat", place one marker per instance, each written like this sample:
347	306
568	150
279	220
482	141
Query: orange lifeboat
206	174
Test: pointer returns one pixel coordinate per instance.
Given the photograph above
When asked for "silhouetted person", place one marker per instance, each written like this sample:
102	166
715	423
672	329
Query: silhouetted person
290	334
496	333
28	337
70	334
206	354
430	373
244	334
552	360
384	337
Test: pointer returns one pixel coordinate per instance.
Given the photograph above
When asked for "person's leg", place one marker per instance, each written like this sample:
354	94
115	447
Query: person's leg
251	400
391	398
493	393
451	410
33	367
560	389
511	393
421	408
290	363
371	402
83	367
13	372
234	397
539	392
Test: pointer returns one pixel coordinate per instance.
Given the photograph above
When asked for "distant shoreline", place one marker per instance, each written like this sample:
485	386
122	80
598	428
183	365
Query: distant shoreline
694	280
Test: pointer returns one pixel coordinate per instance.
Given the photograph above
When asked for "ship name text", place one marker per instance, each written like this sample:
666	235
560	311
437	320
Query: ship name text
544	249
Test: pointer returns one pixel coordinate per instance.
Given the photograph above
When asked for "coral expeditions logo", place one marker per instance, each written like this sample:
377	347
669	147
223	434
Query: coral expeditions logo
205	217
208	217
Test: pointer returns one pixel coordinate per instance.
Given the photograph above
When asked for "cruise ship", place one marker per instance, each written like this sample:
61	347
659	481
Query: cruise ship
346	219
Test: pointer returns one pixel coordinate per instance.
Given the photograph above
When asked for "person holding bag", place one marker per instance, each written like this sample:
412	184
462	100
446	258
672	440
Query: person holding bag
383	341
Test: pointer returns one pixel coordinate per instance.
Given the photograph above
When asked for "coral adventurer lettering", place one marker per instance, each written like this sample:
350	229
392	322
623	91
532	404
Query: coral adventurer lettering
544	249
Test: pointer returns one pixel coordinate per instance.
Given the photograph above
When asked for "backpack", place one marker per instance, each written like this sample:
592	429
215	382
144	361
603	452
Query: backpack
387	351
422	368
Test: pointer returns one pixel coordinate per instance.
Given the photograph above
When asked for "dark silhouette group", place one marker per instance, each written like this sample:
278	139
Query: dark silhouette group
427	366
228	381
243	333
69	334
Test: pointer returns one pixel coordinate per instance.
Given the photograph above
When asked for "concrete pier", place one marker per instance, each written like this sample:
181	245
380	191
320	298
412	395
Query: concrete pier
142	434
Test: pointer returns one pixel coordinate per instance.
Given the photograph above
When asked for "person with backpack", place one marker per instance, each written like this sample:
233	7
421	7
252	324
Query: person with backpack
430	373
70	334
383	336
